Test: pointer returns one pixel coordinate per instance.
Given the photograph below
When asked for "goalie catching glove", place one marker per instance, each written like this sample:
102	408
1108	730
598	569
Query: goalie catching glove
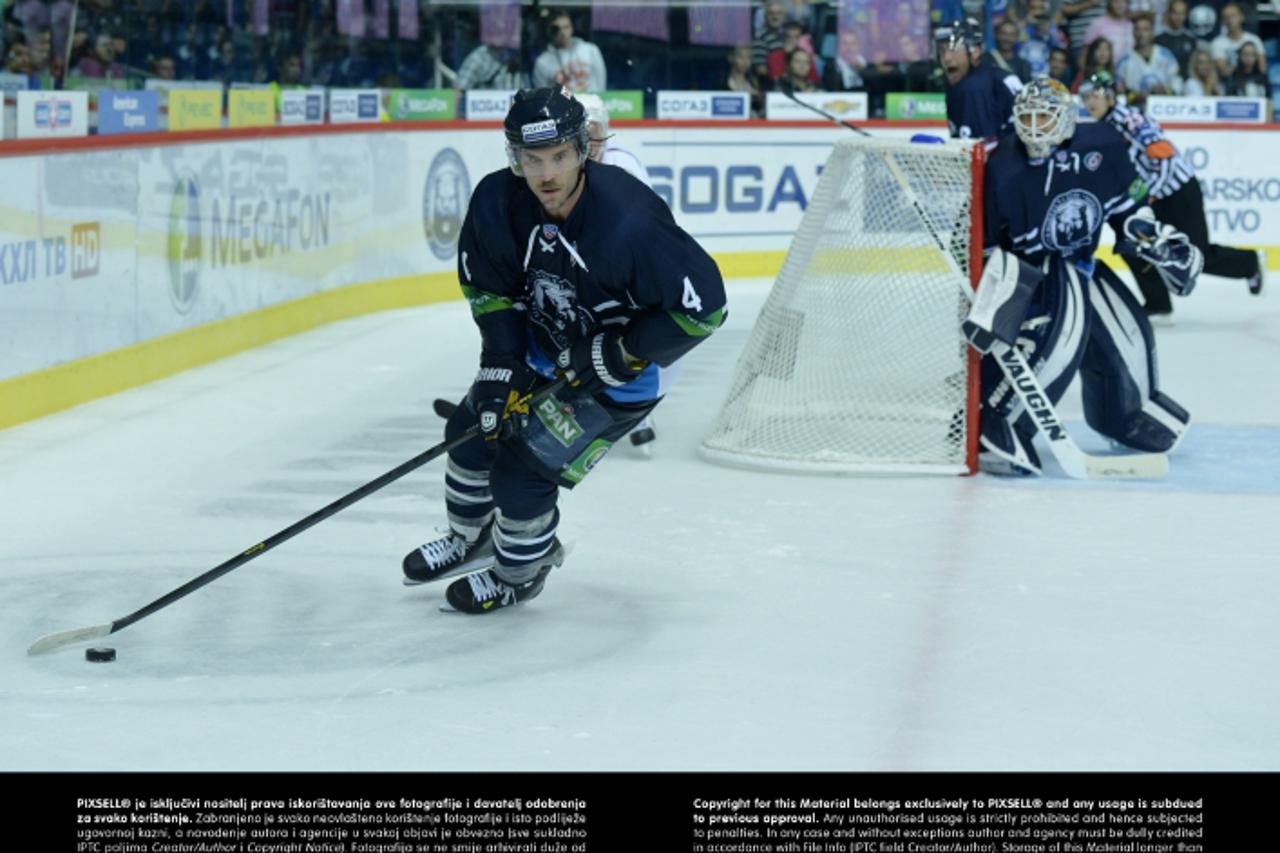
1164	248
500	397
600	362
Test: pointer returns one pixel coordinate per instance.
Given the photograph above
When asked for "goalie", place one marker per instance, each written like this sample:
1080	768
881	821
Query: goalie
1049	188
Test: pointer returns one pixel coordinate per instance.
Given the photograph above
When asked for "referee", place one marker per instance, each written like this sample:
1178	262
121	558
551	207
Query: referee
1174	192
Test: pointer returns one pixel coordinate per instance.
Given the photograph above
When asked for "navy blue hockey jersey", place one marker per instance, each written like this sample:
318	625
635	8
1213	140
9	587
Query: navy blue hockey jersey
980	106
536	286
1057	206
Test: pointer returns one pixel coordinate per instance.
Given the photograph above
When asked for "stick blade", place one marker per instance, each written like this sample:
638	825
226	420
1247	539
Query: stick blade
50	642
1131	466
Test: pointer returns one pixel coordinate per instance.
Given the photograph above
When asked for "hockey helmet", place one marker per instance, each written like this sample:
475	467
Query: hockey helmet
960	33
1044	116
598	115
540	118
1099	81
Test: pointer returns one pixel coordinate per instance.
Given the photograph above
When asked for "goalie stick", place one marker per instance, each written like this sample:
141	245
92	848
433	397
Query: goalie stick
1074	461
60	639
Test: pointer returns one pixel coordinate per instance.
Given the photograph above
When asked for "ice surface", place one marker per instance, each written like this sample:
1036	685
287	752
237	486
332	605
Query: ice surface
709	619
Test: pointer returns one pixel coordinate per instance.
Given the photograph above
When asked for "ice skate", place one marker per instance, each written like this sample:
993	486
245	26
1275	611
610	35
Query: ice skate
448	557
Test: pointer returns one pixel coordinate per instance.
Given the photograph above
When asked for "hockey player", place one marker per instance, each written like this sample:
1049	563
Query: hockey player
574	268
605	149
979	96
1049	188
1175	194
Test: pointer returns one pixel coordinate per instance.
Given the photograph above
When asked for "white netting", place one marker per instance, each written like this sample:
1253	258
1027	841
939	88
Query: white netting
857	362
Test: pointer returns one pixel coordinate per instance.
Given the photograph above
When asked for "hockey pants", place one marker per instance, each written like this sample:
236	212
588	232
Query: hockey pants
493	480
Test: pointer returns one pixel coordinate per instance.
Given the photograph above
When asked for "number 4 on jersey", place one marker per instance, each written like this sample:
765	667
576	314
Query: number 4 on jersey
691	299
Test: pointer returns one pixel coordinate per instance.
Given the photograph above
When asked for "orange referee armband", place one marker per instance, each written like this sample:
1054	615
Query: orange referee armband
1161	150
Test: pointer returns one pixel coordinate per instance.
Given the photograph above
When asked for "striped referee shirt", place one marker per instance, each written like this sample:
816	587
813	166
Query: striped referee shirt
1153	155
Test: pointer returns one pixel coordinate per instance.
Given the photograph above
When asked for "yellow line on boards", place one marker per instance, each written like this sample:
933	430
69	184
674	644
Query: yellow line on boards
34	395
62	386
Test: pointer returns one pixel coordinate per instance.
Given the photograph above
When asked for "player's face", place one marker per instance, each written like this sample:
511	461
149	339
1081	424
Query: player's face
955	62
552	173
1097	103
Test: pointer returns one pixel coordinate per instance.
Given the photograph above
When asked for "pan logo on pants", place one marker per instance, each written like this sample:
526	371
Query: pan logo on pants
184	249
444	202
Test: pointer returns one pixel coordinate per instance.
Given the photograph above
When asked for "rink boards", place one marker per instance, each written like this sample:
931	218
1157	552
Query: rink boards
121	263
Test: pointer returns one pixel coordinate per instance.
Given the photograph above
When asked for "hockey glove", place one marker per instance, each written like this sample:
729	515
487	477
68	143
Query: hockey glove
500	397
600	362
1163	247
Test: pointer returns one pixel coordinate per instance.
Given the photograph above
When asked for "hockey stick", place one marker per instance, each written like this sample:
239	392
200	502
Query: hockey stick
1075	463
790	91
49	642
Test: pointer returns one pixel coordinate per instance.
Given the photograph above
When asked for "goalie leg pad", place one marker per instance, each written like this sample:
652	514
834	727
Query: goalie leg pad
1118	377
1006	450
1052	338
1004	294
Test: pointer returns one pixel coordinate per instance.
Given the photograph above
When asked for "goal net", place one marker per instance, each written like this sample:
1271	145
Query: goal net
856	363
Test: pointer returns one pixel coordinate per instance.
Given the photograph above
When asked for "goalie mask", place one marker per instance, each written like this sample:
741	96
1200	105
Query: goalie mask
1044	116
542	118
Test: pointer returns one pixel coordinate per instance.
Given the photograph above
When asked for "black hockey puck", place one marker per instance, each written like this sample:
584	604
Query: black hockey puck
100	655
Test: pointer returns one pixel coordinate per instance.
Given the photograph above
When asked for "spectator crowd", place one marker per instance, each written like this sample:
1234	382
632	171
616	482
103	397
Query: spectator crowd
1173	47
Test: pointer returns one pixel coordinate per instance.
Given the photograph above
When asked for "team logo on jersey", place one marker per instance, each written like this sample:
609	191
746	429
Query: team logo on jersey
1071	221
444	202
1093	160
550	231
185	247
553	307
